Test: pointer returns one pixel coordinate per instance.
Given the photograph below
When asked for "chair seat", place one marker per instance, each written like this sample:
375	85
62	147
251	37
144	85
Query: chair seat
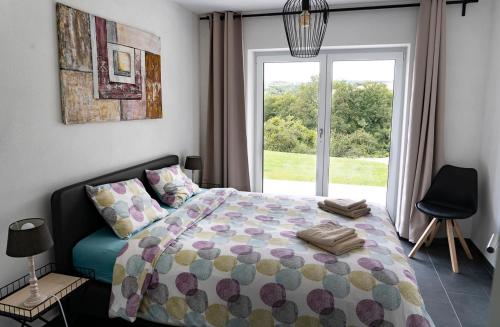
444	211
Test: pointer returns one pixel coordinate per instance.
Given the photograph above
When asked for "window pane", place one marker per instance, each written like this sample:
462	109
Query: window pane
290	124
360	133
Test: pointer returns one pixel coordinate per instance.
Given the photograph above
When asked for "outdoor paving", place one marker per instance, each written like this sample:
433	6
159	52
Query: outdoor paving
374	194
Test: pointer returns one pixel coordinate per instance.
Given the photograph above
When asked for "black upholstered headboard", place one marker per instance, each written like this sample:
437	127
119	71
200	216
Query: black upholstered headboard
74	216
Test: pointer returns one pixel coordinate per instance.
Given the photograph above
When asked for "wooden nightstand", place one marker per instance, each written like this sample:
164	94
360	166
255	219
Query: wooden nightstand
50	283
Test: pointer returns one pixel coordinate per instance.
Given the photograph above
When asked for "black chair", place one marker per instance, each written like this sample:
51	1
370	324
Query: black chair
452	196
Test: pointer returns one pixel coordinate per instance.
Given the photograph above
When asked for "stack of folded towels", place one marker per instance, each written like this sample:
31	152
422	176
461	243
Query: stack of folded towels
344	207
332	237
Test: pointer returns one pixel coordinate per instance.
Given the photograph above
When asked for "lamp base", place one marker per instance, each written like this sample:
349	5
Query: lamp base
35	297
33	301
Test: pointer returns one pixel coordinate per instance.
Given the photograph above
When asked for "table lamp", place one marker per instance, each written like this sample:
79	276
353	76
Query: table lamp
27	238
194	163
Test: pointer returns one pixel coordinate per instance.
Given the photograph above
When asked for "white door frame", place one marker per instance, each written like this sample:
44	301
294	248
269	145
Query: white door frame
326	58
259	115
398	55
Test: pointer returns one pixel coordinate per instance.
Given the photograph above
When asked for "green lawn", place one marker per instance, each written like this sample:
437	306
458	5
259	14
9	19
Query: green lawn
302	167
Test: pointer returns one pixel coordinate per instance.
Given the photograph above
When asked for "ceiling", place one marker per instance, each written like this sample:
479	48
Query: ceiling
205	6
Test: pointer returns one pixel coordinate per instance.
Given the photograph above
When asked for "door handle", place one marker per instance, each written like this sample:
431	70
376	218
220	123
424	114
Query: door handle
321	131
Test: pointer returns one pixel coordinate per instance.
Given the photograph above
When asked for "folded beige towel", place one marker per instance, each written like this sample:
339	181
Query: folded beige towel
345	204
332	237
350	214
327	234
361	206
343	247
354	213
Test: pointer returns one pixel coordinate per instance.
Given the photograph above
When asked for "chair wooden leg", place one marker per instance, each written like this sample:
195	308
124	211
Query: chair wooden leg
451	245
422	238
434	232
458	231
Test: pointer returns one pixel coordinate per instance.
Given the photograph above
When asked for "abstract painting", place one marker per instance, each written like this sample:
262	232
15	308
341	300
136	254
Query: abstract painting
108	71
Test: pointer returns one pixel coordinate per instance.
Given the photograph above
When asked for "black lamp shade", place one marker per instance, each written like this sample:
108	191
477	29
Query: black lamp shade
193	163
305	26
28	241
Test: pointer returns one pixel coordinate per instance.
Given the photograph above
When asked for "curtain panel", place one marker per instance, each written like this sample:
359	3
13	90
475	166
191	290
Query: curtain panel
424	142
224	144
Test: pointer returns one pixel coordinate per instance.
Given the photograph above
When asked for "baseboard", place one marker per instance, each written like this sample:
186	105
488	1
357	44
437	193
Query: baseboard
485	262
478	255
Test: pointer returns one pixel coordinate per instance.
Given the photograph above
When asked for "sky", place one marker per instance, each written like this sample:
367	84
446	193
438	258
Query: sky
300	72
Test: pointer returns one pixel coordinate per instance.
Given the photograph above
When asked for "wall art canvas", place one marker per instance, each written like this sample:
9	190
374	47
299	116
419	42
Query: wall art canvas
108	71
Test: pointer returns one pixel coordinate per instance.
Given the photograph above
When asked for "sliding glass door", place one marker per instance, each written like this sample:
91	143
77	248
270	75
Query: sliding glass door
291	112
362	88
328	126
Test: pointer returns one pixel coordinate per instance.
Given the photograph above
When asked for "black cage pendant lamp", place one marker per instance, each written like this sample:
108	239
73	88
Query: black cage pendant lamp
305	26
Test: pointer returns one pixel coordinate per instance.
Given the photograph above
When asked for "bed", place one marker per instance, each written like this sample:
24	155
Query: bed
229	258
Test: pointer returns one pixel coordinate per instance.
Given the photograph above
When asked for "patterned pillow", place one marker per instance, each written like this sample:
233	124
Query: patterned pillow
126	206
172	185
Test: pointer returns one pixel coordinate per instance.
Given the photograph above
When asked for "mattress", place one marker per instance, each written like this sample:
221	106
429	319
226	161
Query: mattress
97	252
232	258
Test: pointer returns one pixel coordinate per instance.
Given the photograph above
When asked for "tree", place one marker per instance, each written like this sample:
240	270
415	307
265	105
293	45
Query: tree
278	105
288	135
360	120
300	102
305	108
354	145
362	106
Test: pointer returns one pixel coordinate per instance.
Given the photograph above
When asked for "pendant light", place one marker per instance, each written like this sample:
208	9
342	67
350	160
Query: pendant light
305	26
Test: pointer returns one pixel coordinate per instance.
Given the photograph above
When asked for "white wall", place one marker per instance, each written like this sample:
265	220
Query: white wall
467	40
466	71
38	154
488	220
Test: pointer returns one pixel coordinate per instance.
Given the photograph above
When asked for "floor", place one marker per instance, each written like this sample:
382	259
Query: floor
373	194
452	299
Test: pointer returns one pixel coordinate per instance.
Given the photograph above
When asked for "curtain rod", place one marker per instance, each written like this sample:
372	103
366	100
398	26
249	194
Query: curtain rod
464	4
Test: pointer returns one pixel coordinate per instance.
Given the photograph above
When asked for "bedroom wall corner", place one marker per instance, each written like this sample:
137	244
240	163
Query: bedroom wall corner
488	218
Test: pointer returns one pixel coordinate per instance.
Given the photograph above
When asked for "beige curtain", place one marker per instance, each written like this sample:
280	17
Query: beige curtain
224	147
424	143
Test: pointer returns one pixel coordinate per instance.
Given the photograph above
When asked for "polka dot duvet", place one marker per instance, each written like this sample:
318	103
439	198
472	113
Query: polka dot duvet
230	258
